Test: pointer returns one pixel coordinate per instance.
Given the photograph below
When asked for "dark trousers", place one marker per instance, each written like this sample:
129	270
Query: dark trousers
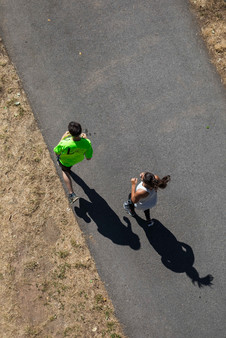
146	212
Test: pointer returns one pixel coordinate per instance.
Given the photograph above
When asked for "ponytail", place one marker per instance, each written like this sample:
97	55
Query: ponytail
154	182
162	183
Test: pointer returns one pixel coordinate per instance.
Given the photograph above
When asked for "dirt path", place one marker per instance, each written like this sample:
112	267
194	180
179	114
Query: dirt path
49	283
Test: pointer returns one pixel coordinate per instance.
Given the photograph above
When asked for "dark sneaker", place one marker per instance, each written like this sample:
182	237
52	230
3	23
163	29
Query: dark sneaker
72	197
150	223
127	207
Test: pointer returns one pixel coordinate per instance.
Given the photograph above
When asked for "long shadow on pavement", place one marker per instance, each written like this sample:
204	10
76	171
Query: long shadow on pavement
176	256
107	221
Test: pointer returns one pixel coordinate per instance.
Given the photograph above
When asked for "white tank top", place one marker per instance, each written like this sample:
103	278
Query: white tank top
147	202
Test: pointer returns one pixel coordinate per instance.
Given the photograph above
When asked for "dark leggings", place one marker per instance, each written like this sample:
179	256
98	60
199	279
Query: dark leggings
146	212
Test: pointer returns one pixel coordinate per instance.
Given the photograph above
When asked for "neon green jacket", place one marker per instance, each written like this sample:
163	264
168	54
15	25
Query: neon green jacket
71	152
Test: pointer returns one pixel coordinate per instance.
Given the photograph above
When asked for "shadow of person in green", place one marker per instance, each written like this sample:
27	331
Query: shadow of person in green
107	221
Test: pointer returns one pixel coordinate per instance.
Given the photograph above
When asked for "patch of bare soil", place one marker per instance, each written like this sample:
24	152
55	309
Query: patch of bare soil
211	15
49	286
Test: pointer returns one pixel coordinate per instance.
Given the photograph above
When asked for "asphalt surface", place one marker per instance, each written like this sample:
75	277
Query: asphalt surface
137	76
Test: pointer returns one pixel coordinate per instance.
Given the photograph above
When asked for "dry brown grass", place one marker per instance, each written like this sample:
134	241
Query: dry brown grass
211	15
49	283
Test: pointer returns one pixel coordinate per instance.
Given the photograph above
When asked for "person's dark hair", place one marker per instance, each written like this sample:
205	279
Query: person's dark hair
150	180
74	128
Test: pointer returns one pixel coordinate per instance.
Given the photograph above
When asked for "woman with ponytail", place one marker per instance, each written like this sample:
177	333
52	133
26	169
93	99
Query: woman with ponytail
144	196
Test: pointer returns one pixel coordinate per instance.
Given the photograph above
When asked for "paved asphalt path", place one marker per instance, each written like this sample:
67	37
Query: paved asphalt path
137	75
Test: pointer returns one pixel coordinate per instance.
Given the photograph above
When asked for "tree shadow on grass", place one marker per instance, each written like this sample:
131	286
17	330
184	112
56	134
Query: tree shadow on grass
107	221
176	256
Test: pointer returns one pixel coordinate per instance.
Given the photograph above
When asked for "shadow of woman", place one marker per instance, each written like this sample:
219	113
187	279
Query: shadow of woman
176	256
107	221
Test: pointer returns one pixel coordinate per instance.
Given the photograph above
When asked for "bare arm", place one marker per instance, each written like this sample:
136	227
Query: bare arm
137	195
66	134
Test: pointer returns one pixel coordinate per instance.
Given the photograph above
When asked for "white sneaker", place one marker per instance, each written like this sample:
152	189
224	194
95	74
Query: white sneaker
72	197
150	223
127	207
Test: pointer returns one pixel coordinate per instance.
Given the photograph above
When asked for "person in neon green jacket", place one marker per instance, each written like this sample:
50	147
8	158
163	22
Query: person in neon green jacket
72	149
